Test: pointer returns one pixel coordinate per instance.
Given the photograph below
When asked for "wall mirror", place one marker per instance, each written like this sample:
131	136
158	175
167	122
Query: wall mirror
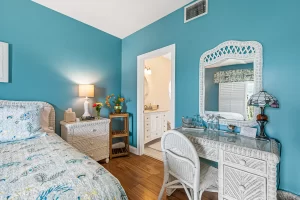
229	74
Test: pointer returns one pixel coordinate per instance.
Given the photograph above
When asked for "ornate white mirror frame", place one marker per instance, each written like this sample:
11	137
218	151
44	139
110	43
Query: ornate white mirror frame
239	50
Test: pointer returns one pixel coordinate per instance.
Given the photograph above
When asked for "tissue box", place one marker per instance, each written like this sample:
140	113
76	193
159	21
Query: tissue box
69	117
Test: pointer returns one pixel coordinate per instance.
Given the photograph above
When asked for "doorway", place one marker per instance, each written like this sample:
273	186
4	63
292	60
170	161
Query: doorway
155	99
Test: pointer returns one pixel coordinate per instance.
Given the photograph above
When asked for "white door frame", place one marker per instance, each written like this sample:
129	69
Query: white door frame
140	91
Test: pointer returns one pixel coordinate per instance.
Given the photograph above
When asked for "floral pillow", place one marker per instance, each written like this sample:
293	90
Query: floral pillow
19	122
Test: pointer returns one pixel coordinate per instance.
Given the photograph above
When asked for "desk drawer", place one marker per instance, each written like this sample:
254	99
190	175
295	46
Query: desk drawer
245	162
239	184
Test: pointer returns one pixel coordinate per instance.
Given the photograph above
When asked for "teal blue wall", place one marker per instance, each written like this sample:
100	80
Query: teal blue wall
50	54
273	23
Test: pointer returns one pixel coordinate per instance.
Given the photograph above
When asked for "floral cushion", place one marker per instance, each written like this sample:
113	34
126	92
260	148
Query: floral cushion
19	122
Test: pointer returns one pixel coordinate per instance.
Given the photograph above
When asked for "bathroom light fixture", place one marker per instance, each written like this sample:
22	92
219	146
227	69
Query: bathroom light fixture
147	70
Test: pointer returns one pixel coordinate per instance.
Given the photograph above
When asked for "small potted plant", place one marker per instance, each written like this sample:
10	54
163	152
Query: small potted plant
117	101
98	107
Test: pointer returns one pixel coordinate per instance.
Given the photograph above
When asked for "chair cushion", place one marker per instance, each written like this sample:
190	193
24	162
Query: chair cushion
19	122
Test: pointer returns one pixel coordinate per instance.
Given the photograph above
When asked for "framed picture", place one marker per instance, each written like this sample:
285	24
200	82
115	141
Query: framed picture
4	62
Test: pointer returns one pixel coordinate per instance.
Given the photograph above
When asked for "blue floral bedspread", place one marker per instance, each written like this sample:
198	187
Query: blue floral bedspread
49	168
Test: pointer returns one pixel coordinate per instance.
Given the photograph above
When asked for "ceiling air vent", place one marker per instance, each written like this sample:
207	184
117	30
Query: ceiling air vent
195	10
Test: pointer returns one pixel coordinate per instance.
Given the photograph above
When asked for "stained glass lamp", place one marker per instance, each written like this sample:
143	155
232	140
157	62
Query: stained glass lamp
262	100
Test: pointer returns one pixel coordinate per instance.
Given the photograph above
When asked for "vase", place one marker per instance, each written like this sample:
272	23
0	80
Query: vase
118	109
98	113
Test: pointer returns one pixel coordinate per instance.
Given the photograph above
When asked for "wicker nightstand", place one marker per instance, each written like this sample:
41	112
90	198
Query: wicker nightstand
89	137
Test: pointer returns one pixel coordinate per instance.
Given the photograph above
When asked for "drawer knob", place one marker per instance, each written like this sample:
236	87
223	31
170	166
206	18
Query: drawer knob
242	188
243	162
94	130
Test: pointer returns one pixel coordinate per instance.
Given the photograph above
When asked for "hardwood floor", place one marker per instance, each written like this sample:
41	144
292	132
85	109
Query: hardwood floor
142	177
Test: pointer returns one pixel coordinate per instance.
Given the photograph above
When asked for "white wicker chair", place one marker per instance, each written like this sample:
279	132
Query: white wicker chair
181	161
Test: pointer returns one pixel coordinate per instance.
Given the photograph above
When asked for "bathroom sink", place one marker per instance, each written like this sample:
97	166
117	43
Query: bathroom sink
153	109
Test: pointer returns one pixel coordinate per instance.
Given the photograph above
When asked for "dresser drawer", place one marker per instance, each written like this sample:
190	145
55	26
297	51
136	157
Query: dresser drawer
239	184
165	127
147	118
147	138
147	131
147	124
98	154
91	143
245	162
156	134
84	132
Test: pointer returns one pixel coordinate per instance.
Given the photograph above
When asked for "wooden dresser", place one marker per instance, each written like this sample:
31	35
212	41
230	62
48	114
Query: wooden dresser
89	137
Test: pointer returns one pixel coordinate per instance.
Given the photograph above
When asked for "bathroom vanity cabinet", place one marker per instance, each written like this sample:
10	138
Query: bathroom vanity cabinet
155	125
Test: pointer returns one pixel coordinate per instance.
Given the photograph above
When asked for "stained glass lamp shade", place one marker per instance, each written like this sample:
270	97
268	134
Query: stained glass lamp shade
262	100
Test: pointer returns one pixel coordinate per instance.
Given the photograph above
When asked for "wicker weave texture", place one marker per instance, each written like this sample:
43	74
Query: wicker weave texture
89	137
181	161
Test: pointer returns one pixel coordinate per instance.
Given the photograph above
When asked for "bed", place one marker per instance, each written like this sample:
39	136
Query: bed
44	167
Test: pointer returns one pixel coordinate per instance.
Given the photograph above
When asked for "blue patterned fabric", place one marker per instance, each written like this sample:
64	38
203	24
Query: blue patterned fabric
19	122
47	168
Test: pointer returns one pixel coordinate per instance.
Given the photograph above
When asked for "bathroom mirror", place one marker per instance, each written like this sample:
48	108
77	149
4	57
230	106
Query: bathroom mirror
229	75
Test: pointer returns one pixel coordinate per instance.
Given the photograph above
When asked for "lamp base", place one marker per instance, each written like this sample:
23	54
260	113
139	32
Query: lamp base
262	135
86	108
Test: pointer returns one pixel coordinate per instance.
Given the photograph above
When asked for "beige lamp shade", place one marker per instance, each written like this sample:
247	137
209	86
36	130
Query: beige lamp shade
86	90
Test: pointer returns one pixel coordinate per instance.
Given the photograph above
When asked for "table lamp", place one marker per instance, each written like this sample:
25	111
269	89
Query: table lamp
86	91
262	100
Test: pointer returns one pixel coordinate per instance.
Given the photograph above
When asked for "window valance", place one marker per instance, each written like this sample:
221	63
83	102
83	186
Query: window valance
239	75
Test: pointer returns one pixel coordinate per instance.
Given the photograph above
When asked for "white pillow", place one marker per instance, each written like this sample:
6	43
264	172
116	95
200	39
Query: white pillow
45	113
19	122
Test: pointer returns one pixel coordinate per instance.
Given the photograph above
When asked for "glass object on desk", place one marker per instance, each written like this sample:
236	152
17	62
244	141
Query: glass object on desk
210	122
187	122
198	121
215	123
226	137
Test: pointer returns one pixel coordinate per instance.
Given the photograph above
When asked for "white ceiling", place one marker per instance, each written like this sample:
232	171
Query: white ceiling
120	18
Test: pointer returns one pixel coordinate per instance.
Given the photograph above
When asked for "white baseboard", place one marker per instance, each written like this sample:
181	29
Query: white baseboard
133	150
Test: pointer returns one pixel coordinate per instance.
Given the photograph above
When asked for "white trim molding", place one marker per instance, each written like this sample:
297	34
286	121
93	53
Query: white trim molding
4	62
140	91
133	150
246	51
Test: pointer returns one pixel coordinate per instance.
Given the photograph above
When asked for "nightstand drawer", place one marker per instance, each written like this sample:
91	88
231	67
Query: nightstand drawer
88	132
98	154
91	143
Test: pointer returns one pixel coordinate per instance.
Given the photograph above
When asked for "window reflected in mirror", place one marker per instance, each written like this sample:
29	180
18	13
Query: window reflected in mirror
228	86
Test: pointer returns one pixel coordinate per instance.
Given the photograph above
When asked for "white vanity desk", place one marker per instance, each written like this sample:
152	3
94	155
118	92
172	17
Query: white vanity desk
247	167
